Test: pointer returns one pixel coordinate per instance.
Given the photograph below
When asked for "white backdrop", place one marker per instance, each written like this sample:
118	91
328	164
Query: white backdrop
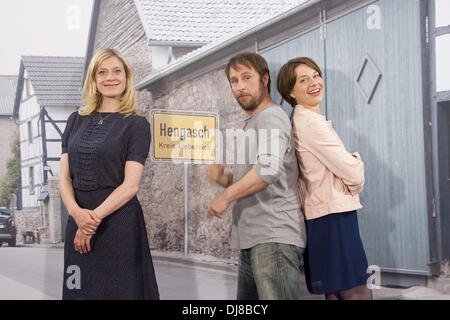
443	47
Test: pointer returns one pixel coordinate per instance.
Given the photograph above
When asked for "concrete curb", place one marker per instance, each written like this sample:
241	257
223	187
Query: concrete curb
197	260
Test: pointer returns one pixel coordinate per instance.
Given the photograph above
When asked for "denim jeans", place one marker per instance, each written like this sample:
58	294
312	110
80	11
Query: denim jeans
270	271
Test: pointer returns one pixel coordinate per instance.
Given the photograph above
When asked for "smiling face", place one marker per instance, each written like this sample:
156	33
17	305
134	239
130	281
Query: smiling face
247	86
308	88
111	78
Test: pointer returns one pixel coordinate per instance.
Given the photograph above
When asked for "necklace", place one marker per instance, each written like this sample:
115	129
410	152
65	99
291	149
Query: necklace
100	122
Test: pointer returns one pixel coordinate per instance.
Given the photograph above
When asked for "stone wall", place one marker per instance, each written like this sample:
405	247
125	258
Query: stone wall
162	188
181	51
28	220
119	26
45	226
53	208
445	269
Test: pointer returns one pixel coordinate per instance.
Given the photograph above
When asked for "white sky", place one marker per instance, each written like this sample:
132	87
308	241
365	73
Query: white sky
442	13
60	28
442	47
42	27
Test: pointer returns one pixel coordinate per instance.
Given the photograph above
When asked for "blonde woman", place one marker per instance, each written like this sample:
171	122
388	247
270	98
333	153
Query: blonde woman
104	148
331	179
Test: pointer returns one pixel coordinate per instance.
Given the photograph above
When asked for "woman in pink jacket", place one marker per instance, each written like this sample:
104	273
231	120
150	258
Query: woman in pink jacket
329	183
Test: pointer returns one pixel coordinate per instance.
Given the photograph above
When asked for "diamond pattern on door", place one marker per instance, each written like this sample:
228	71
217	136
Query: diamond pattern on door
368	78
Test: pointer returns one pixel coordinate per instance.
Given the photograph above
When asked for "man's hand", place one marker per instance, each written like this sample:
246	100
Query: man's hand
214	172
247	185
218	206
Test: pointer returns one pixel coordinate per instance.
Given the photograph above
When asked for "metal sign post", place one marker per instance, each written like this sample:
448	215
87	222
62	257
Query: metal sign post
186	208
184	137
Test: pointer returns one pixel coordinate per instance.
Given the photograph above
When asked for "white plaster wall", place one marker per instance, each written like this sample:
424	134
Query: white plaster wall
160	56
33	151
54	148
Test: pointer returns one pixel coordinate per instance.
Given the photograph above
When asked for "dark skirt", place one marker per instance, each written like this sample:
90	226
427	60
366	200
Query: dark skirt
334	255
119	265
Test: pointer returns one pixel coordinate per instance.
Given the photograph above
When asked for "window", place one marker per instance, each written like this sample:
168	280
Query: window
31	180
30	132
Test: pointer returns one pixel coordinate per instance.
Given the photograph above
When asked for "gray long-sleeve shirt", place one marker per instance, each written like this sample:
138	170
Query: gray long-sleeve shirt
273	214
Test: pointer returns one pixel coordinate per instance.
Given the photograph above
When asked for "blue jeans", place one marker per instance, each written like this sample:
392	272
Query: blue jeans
270	271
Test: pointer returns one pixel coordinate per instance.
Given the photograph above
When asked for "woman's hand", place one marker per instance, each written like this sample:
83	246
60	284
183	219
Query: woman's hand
86	220
82	242
95	217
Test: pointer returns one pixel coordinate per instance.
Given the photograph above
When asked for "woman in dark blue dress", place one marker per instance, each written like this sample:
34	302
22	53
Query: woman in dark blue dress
330	181
104	148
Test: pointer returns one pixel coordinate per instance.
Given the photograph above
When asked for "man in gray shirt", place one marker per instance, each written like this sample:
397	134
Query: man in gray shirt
269	226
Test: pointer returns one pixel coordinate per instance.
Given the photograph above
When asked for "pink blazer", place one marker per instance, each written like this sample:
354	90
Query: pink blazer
333	178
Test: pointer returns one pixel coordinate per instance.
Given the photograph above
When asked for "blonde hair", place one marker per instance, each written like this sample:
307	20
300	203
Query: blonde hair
92	98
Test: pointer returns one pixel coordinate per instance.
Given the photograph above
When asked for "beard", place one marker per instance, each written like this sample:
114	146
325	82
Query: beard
254	102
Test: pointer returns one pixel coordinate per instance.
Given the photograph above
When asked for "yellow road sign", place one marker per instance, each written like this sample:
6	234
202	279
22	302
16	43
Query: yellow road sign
183	136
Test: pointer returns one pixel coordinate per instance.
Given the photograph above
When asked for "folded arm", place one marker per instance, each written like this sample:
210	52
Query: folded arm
320	139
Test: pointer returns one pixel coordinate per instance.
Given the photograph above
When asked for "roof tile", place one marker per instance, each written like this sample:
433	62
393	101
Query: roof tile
57	81
8	86
205	21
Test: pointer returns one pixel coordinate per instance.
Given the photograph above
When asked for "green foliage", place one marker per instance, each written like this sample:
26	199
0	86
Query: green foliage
11	182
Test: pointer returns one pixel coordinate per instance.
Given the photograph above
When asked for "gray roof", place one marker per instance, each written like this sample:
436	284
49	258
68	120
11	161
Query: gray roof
57	81
8	85
220	43
197	22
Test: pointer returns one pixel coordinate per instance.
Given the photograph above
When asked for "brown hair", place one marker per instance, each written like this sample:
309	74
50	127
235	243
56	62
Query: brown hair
250	60
287	77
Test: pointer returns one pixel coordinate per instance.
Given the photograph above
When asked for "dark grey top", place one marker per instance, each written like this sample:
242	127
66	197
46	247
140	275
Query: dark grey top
273	214
98	153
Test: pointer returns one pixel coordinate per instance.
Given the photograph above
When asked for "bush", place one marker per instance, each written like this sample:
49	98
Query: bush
11	182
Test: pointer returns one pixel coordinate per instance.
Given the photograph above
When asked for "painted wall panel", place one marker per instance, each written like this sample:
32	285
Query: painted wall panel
388	130
308	44
372	70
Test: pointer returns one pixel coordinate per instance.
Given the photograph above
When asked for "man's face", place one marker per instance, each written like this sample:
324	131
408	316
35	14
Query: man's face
247	86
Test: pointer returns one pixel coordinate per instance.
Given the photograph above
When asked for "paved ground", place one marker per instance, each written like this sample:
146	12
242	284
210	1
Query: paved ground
36	273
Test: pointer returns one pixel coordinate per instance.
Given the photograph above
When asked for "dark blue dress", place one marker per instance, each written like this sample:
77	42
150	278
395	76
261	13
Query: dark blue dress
119	265
334	257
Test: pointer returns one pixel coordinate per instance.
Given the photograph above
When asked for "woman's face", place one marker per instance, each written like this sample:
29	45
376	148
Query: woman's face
308	88
111	78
